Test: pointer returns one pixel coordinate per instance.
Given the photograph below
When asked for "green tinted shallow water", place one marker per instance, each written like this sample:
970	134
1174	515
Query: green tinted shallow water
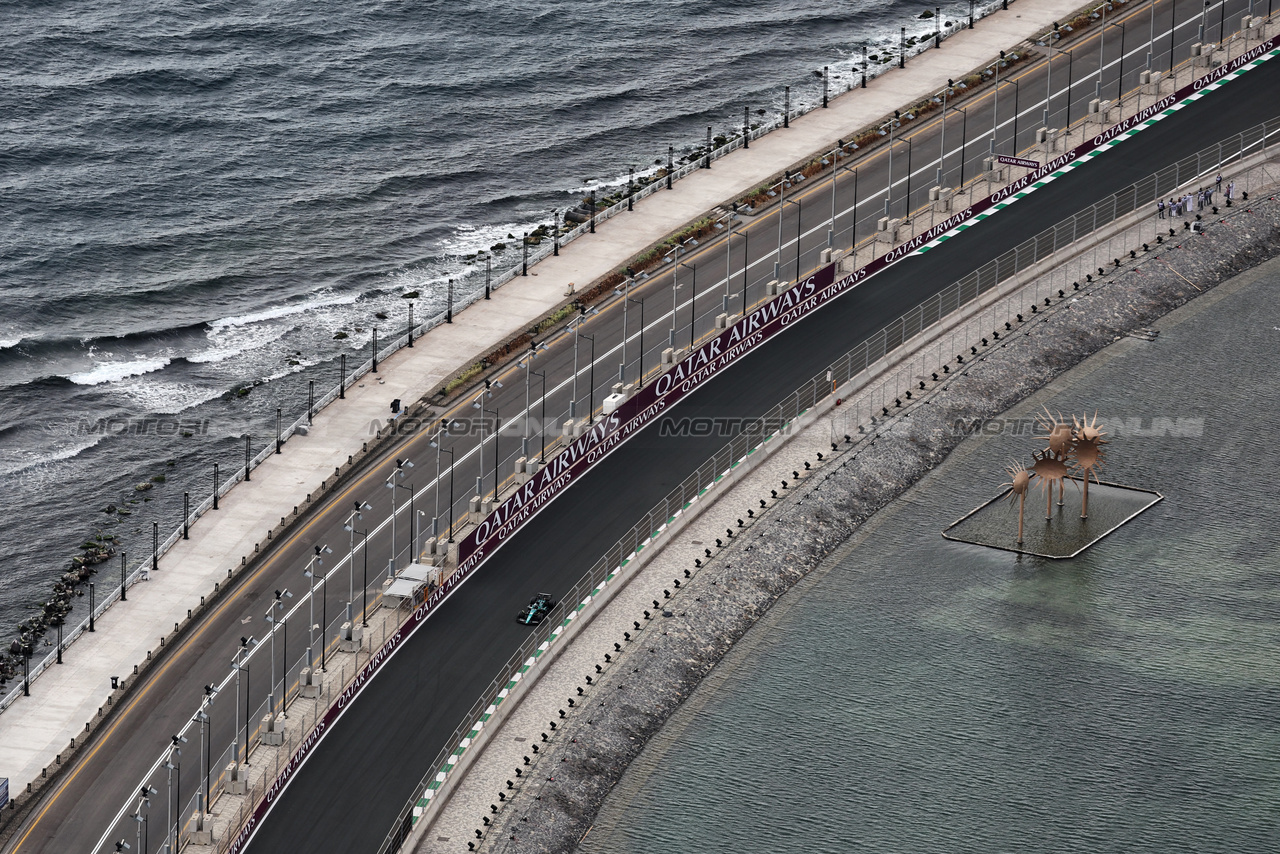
920	695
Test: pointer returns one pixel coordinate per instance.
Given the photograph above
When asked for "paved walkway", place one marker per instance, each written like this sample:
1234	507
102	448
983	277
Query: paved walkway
37	729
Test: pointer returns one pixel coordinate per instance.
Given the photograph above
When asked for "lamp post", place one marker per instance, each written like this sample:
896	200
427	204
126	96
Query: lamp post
675	286
640	371
313	565
964	137
1017	98
397	474
1102	50
799	224
1151	38
239	662
835	174
745	235
144	800
625	293
1049	77
894	124
542	416
995	105
174	765
364	589
1120	71
782	205
438	444
497	437
527	364
574	326
349	527
693	304
864	66
277	604
205	743
591	379
942	134
413	536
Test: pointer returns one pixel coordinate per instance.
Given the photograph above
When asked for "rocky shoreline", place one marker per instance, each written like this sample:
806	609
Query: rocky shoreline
635	695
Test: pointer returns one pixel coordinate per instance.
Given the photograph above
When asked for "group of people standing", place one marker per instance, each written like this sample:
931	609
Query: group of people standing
1189	202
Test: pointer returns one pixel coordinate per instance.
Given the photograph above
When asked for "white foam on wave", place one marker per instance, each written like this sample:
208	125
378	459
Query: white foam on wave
616	181
23	461
111	372
231	341
168	397
284	311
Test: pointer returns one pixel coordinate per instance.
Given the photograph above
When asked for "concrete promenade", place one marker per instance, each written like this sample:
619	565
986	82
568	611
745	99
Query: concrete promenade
36	731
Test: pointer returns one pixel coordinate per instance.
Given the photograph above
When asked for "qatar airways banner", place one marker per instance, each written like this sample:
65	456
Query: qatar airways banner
750	332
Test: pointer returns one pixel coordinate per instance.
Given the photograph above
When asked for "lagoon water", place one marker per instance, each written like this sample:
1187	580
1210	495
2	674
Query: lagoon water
200	195
919	695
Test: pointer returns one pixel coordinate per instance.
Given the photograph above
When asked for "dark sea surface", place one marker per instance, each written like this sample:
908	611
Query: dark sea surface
922	695
198	196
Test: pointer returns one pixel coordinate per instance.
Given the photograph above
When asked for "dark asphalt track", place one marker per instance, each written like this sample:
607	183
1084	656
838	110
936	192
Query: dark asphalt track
363	773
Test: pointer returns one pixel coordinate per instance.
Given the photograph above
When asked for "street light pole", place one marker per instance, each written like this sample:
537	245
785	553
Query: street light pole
364	589
640	372
313	565
693	304
349	527
277	604
591	392
239	662
206	743
542	416
799	223
397	474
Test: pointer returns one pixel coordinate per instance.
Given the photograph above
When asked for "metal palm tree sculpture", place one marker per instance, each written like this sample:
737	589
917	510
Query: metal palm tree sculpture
1019	484
1060	439
1089	455
1051	467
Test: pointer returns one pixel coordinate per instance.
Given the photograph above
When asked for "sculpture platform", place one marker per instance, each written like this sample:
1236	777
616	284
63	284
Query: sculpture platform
1064	535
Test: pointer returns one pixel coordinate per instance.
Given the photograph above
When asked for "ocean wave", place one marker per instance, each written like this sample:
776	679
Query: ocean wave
110	372
23	461
284	311
168	398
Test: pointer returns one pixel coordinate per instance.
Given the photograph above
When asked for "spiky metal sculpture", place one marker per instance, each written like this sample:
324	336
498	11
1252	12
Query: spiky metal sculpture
1088	453
1059	439
1019	484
